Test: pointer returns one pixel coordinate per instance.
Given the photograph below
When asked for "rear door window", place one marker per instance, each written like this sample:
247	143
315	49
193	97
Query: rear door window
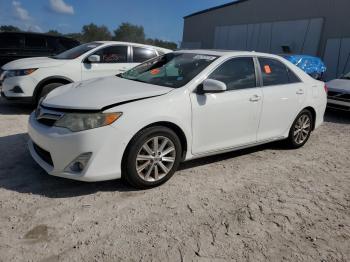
141	54
273	72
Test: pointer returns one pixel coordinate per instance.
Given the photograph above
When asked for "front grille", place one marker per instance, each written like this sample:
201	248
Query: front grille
47	122
47	117
339	96
43	154
338	107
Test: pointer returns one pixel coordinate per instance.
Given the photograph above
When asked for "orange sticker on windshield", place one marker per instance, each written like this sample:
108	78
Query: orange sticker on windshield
267	69
155	71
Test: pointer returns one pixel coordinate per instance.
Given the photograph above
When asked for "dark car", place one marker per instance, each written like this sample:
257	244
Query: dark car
17	45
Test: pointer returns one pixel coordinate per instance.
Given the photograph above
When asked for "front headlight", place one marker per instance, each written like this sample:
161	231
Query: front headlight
81	121
21	72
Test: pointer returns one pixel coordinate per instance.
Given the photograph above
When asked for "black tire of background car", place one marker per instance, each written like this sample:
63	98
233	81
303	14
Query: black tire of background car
47	89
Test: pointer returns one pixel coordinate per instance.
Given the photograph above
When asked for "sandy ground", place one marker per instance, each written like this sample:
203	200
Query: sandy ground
261	204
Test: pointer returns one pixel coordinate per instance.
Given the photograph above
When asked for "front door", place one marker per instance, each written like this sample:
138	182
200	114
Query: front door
113	60
230	119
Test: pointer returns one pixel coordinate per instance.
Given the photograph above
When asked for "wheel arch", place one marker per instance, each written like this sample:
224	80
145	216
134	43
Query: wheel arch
313	113
50	80
174	127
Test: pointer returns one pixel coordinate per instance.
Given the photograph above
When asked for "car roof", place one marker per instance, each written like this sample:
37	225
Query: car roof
131	43
39	34
223	53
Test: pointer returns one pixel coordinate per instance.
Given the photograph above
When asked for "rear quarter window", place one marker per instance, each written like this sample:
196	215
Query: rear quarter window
275	72
141	54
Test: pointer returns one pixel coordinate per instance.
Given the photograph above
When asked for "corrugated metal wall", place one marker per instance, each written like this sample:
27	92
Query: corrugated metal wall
337	57
302	36
266	25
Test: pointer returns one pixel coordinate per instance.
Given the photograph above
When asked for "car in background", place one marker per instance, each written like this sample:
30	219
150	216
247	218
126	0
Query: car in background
313	66
339	93
17	45
188	104
33	78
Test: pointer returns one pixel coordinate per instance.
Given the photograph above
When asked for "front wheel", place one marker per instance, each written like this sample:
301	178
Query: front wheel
152	157
301	130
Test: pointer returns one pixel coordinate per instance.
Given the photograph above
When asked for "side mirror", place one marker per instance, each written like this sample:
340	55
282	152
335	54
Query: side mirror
94	59
213	86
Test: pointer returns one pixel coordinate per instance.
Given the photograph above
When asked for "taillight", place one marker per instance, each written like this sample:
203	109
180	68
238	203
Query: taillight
325	88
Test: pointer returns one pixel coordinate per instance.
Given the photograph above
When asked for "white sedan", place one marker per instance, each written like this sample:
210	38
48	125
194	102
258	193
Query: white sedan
187	104
29	79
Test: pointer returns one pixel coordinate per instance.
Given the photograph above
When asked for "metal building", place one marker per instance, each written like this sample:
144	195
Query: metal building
313	27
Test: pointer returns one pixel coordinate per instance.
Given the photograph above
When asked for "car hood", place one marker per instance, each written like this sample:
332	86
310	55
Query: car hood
339	85
33	62
99	93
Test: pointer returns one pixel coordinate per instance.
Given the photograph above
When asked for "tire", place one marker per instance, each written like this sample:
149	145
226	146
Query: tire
301	130
141	167
47	89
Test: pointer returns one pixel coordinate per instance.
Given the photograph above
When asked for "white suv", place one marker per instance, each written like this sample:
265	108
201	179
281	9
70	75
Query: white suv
30	79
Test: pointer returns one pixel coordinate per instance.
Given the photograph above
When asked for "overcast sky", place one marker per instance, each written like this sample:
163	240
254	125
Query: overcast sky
162	18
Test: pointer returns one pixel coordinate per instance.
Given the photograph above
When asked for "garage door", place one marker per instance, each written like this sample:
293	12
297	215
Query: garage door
301	36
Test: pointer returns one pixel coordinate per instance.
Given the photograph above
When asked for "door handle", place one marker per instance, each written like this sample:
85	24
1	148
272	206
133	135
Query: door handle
255	98
300	92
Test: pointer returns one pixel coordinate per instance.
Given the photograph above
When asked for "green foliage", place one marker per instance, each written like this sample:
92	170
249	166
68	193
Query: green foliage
9	28
54	32
161	43
130	33
77	36
126	32
93	32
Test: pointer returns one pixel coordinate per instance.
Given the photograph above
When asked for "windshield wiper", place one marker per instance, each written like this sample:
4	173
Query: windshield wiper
137	80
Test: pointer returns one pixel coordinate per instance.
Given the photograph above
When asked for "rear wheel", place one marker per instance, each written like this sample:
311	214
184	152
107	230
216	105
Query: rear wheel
47	89
301	130
152	158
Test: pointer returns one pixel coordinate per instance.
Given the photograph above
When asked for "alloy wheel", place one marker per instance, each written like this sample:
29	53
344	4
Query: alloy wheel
302	129
155	159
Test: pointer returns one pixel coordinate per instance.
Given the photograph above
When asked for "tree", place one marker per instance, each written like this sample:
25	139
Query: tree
9	28
130	33
93	32
54	32
161	43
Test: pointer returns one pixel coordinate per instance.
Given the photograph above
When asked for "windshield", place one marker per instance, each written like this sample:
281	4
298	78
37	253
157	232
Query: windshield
346	76
171	70
77	51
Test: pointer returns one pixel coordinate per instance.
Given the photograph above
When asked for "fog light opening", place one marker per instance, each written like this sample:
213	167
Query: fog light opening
79	164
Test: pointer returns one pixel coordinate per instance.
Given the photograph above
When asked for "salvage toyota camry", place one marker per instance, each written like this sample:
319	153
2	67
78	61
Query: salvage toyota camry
141	124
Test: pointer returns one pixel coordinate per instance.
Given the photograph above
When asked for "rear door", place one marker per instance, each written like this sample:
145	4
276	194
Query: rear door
113	60
284	94
229	119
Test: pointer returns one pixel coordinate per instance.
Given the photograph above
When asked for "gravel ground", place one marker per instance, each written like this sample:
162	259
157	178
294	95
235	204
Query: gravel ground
262	204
